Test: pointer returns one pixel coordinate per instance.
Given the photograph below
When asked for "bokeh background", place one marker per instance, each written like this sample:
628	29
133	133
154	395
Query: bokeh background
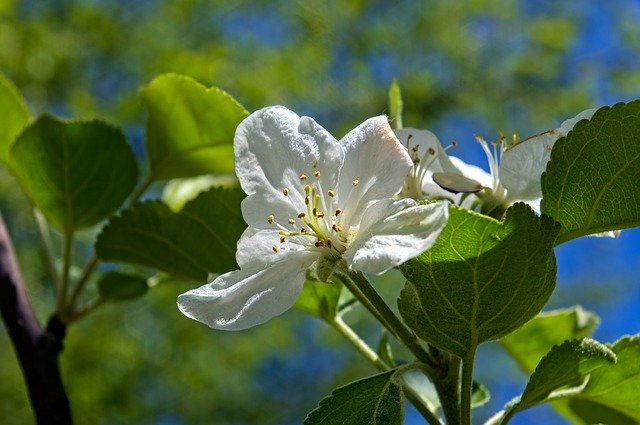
477	66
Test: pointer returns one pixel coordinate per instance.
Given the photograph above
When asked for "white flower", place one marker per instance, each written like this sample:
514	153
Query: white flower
312	199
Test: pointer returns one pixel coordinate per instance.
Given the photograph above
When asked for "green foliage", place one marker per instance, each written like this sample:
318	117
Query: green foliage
535	338
116	286
376	400
319	299
13	117
190	127
481	280
591	182
76	172
198	240
395	105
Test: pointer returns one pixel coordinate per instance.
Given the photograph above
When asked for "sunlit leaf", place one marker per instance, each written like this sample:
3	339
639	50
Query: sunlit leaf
481	280
190	127
319	298
76	172
395	105
13	117
591	183
198	240
376	400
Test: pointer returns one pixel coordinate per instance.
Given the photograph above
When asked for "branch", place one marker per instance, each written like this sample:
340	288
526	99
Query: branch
37	349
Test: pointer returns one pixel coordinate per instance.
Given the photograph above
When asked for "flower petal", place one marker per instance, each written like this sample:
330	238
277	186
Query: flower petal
255	247
375	165
423	141
273	148
391	234
245	298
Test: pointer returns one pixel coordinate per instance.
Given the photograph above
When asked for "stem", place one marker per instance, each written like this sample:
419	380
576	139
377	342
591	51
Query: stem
358	284
466	387
373	358
448	388
37	350
86	274
45	236
64	282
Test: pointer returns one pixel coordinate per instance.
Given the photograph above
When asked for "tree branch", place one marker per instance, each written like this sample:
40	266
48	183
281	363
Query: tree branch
37	349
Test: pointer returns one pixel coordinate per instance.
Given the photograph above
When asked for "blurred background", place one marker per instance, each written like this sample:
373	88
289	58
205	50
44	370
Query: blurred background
479	66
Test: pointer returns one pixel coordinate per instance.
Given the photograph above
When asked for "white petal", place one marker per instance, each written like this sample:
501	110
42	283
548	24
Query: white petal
389	239
255	247
273	148
424	140
472	172
523	164
245	298
375	159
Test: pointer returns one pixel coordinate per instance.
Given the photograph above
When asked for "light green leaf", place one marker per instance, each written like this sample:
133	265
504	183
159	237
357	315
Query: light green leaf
376	400
395	105
198	240
76	172
481	280
612	394
591	183
529	344
479	394
13	117
116	286
190	127
319	299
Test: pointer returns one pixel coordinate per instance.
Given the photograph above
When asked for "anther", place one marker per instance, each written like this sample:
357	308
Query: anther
275	248
285	191
319	243
316	173
355	182
336	228
431	151
338	211
303	230
328	242
292	221
303	177
319	214
302	215
282	239
331	193
270	219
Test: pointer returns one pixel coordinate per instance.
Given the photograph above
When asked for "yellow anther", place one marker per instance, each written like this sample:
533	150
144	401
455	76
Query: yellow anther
331	193
275	248
338	211
316	173
319	214
292	221
303	177
303	230
336	228
270	219
355	182
302	215
282	239
285	191
328	242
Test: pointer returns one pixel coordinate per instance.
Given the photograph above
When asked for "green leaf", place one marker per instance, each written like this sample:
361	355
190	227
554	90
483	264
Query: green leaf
591	182
376	400
612	394
190	127
529	344
479	394
395	104
76	172
319	299
13	117
198	240
481	280
116	286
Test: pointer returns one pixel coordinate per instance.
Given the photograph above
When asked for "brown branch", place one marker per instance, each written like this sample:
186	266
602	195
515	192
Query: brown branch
37	349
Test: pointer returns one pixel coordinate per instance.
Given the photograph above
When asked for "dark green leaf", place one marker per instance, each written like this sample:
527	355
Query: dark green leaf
319	299
115	286
612	394
13	117
591	182
198	240
376	400
532	341
76	172
481	280
190	127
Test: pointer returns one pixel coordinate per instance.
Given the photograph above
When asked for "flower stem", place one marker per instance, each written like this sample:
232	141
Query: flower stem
47	245
64	282
86	274
358	284
466	388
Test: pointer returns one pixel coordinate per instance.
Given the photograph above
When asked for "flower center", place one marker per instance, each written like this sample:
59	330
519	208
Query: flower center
413	183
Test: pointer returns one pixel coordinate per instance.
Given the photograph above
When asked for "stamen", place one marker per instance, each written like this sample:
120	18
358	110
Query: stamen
319	243
275	248
328	242
282	239
302	215
292	221
331	193
336	228
285	191
316	173
338	211
303	230
303	177
319	214
270	219
355	182
431	151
